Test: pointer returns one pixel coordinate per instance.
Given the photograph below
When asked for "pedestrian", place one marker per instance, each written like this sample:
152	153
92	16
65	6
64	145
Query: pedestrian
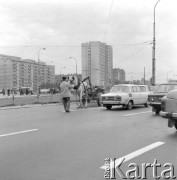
65	94
3	92
8	92
20	90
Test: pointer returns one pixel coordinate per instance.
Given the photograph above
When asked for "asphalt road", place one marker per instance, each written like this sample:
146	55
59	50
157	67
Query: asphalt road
45	143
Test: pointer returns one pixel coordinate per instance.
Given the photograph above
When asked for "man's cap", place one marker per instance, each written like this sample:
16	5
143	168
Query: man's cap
64	78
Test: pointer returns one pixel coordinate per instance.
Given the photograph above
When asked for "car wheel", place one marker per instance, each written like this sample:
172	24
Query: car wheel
146	104
129	105
157	111
99	99
175	125
108	107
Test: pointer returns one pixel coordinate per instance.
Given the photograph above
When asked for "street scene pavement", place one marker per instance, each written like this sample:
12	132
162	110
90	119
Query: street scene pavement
42	142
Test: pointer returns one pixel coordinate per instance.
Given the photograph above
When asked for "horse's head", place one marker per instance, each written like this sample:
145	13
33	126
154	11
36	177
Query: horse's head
71	79
74	80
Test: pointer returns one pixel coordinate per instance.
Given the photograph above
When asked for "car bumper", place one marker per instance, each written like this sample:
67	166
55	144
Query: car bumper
155	104
114	102
168	114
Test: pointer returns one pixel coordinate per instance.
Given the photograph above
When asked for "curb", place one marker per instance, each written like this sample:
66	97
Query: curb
27	106
30	106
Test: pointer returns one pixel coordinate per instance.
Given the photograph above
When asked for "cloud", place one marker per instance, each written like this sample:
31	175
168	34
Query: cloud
72	22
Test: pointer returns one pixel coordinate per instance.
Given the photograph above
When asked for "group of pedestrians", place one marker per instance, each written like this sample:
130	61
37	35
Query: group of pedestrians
4	92
65	95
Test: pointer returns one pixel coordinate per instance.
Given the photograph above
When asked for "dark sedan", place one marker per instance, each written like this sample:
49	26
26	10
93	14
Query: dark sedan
155	99
169	108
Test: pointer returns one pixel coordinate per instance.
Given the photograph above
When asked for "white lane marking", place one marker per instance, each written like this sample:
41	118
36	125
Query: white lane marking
136	113
20	132
84	109
136	153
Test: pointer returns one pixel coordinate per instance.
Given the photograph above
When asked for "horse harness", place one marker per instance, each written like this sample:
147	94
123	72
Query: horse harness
79	83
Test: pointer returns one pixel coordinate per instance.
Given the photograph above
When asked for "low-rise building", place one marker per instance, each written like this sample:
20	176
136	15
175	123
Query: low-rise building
118	75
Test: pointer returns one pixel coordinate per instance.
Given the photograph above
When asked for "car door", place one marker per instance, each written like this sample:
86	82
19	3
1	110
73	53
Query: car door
135	95
142	95
145	93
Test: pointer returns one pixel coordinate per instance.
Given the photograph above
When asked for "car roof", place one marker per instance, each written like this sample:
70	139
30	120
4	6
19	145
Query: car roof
127	85
168	84
25	87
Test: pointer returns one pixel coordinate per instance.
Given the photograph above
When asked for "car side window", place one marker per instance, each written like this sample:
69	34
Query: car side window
143	89
134	89
126	89
130	89
138	89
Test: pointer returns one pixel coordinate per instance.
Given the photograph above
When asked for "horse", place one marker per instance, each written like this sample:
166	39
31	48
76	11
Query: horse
81	88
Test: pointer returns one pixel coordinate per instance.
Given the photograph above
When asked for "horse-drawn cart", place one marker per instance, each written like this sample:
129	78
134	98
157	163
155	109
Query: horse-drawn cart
86	91
93	93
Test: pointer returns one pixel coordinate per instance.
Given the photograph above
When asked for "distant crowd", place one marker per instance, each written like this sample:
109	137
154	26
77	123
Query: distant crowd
21	91
27	91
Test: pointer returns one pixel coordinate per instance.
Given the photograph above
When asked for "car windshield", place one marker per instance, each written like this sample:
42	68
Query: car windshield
119	89
164	88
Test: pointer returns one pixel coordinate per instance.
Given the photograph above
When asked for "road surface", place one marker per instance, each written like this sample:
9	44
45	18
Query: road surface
43	142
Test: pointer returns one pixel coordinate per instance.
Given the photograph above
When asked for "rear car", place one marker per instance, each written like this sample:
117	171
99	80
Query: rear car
155	98
169	108
126	95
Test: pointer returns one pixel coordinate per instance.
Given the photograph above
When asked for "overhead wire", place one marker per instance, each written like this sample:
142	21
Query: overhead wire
77	46
108	20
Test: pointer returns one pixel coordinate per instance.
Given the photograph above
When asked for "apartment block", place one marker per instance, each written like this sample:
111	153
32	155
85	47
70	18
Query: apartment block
119	75
16	72
97	63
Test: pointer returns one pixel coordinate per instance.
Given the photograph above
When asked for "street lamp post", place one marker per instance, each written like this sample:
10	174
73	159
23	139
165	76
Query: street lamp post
76	63
38	77
131	77
153	50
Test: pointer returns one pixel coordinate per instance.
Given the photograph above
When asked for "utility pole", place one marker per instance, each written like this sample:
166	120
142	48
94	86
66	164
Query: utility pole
38	77
144	76
153	50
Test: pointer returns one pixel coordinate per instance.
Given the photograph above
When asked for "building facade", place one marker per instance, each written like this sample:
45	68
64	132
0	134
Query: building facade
97	63
16	72
119	75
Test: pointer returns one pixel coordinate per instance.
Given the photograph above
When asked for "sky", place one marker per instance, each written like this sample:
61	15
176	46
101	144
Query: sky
61	26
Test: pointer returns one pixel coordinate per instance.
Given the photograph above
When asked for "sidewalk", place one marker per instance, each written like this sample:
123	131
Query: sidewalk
30	100
73	106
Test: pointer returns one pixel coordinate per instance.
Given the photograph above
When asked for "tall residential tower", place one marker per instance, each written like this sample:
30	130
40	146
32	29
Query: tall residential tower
97	62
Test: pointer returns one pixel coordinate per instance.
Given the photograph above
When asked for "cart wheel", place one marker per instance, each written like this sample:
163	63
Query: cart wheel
99	99
146	104
157	111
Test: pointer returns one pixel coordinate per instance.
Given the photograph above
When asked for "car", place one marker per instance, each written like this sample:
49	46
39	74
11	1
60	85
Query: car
126	95
155	98
44	91
25	90
169	108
